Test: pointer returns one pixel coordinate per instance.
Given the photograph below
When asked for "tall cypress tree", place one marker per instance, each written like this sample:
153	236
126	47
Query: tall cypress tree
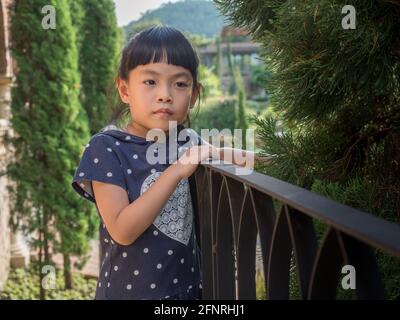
241	101
77	18
219	58
99	60
232	87
50	129
237	86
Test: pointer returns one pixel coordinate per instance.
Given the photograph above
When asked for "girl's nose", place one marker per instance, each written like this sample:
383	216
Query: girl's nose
164	99
164	95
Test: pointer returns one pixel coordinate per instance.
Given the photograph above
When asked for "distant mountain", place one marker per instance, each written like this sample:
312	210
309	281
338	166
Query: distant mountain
198	17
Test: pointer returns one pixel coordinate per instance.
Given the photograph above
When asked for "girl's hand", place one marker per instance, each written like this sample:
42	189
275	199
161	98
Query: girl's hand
187	164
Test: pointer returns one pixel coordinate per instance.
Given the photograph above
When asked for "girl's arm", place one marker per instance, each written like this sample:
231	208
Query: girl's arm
240	157
126	222
243	158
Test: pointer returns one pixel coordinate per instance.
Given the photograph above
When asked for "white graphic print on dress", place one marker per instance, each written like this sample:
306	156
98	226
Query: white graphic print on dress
176	218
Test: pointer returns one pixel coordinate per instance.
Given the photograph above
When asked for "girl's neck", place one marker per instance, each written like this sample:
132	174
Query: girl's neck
138	130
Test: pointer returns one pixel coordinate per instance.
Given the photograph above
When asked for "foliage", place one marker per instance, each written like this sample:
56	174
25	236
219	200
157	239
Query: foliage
50	131
261	293
176	15
336	95
98	60
259	76
218	113
23	284
137	27
211	85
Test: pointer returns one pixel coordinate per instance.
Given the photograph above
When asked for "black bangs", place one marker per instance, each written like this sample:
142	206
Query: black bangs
158	44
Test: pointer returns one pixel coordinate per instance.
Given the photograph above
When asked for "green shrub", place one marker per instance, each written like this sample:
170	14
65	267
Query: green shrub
261	293
362	194
23	284
216	113
210	82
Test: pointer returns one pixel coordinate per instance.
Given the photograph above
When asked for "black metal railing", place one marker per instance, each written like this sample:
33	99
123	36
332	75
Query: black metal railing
233	210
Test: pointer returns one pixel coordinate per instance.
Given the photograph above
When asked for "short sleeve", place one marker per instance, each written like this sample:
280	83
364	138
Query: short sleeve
99	162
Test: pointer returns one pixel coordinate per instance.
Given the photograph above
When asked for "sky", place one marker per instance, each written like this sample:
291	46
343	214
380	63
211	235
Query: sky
128	10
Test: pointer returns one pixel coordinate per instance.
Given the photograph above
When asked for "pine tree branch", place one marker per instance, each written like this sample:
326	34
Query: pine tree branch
345	161
394	2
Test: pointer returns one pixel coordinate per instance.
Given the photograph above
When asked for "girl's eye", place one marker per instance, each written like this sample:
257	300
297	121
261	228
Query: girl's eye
153	82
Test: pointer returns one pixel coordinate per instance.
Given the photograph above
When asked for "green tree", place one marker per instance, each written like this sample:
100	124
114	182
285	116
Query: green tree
237	87
98	60
259	76
232	87
137	27
209	81
175	14
337	93
77	17
50	128
217	112
219	58
241	101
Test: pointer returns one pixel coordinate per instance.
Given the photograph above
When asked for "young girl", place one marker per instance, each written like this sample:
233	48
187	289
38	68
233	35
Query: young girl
147	233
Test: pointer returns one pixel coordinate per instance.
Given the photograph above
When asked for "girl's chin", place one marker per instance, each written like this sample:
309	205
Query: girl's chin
165	121
161	125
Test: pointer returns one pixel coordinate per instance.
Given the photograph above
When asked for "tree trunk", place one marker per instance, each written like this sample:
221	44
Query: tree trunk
67	272
41	276
45	253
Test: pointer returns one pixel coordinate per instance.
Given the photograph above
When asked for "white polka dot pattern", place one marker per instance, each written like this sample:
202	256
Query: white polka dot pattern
162	259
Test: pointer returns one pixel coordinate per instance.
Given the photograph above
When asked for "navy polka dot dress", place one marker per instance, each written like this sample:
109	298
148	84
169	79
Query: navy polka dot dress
164	262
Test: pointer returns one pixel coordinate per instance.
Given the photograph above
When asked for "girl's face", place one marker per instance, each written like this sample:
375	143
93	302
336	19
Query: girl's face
158	93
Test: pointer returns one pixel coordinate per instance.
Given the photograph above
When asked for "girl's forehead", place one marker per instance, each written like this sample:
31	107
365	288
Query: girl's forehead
162	69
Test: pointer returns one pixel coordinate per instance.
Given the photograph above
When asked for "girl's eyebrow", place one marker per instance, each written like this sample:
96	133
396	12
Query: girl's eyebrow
176	75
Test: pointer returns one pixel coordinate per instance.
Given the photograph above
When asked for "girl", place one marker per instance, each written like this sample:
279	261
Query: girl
149	248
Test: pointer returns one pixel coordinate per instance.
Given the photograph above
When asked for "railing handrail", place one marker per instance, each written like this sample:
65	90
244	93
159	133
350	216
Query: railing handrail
356	223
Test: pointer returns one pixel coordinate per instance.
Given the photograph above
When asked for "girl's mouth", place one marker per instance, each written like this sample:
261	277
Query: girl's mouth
163	113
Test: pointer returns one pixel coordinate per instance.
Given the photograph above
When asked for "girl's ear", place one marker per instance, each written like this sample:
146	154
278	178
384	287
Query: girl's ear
195	94
122	87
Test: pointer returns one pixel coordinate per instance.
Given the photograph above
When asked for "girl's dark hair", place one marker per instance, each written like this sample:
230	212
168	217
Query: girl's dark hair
152	45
